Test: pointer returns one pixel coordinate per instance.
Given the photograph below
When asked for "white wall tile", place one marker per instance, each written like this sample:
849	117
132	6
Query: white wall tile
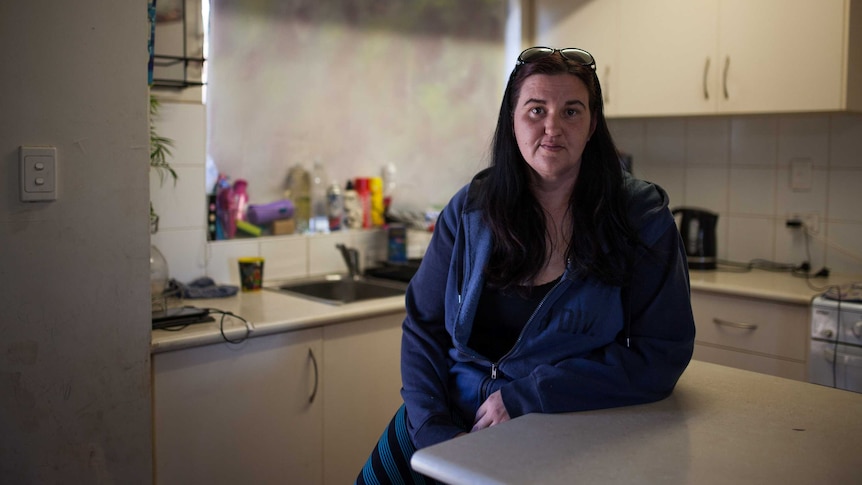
752	190
707	141
323	256
670	178
845	149
793	246
803	136
665	141
185	125
372	247
753	140
844	248
222	260
630	137
285	257
790	201
750	238
845	195
722	231
706	187
181	204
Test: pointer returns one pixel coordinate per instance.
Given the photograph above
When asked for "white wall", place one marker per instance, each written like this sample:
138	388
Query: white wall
74	353
739	167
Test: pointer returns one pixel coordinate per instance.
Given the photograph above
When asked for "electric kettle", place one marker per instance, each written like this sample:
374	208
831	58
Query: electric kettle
697	228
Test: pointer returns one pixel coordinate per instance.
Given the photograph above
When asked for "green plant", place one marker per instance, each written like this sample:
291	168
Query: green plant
160	151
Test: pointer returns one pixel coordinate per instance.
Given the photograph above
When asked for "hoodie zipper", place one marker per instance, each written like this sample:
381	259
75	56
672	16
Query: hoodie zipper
495	366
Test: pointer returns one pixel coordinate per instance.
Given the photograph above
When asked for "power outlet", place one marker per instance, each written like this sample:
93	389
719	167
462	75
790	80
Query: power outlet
801	174
811	220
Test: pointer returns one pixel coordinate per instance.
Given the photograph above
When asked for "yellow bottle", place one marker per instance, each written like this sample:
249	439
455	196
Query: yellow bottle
377	207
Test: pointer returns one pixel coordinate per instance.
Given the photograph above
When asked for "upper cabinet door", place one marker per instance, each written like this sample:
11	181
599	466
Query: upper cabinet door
782	55
589	25
668	63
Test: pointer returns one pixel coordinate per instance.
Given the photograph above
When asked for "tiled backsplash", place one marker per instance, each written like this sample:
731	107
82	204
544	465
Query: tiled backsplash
737	166
182	227
740	167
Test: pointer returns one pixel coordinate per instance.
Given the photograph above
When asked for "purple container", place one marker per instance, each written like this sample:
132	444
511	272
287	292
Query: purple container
266	213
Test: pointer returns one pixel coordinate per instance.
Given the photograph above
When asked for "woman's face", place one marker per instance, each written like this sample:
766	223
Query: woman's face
552	126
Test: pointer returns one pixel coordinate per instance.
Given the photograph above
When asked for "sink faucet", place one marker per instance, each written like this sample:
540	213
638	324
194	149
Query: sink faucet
351	259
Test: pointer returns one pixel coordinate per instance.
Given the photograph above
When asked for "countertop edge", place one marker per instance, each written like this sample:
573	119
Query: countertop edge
234	329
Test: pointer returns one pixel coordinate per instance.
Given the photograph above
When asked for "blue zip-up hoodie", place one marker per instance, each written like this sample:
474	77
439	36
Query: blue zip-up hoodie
588	345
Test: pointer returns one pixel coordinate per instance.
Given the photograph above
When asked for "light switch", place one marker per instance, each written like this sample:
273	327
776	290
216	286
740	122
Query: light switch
38	169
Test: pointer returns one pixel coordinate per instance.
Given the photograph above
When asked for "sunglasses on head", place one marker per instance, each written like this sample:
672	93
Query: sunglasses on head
571	53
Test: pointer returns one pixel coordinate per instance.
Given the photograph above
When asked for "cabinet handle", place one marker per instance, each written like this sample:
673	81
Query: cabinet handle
728	323
724	77
607	84
705	79
314	363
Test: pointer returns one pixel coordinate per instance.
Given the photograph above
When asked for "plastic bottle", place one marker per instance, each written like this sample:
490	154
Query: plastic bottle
319	213
375	186
335	205
226	202
240	193
389	173
364	193
298	190
352	207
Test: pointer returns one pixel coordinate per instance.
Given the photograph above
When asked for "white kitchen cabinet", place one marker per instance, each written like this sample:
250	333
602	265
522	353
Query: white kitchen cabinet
784	55
589	25
361	392
246	413
303	406
686	57
764	336
667	55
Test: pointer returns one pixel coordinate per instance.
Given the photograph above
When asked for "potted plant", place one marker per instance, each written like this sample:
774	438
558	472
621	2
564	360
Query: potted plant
160	151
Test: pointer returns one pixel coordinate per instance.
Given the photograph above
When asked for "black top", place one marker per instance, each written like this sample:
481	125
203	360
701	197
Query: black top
501	317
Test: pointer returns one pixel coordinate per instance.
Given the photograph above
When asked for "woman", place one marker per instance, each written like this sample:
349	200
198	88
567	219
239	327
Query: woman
553	282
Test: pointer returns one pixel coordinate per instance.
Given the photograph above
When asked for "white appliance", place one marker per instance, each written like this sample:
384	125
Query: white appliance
835	359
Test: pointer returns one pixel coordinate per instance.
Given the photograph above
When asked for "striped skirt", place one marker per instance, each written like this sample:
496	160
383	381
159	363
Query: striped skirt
389	462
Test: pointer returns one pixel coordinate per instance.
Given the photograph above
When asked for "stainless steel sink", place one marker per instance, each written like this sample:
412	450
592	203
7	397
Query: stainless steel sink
337	289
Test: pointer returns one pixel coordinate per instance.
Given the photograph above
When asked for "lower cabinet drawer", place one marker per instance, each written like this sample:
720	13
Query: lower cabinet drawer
757	363
748	325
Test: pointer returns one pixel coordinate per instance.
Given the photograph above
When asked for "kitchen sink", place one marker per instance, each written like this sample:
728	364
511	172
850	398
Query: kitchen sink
337	289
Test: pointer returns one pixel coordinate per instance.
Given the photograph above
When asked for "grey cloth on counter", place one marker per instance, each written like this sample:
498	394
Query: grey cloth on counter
203	287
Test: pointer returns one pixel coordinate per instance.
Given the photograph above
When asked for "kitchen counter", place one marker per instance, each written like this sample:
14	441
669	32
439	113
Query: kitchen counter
767	285
721	425
271	312
267	312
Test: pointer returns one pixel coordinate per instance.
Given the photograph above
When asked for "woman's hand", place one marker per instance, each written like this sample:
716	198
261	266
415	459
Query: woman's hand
491	412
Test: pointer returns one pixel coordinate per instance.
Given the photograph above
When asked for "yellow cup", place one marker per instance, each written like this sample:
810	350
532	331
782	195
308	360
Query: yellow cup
251	273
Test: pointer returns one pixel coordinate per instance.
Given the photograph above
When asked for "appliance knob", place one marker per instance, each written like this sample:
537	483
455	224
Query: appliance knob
857	329
826	333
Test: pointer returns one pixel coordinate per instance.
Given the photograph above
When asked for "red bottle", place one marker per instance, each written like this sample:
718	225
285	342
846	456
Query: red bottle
363	190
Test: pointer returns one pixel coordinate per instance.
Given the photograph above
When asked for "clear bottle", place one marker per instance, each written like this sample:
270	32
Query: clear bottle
389	174
335	205
298	191
319	212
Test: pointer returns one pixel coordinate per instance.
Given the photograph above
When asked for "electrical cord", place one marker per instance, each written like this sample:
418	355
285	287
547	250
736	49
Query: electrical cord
249	328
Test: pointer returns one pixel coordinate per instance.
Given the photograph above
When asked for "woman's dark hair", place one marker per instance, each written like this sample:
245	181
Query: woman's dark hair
602	236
